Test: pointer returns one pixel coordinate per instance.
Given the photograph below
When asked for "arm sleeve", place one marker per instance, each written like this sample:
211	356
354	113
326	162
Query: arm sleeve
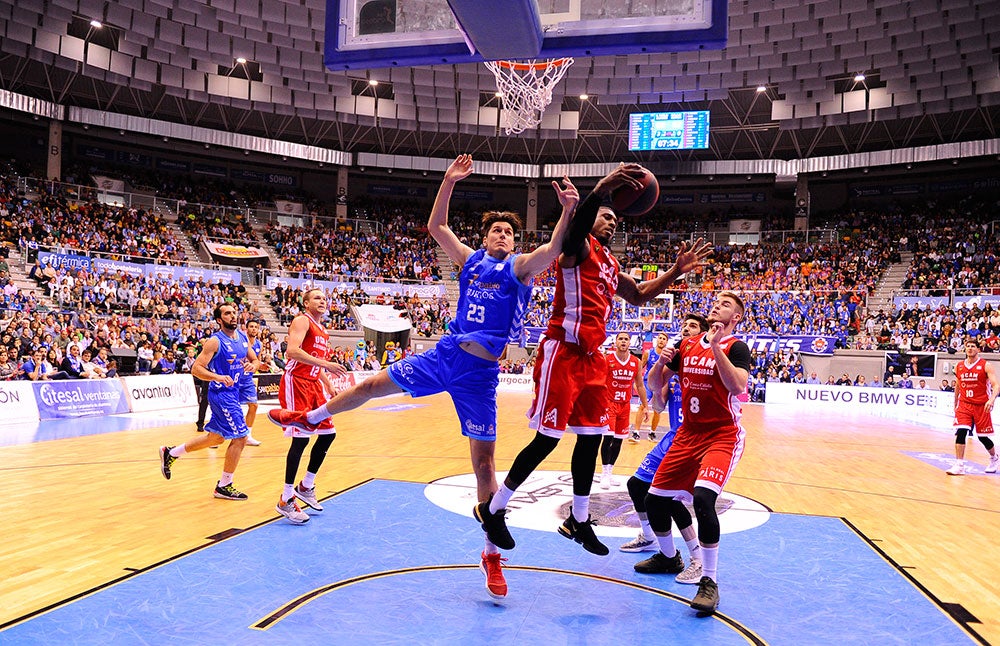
739	355
583	222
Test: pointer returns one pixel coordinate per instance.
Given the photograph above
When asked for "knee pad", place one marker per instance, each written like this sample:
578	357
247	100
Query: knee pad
987	442
637	490
960	435
704	501
658	510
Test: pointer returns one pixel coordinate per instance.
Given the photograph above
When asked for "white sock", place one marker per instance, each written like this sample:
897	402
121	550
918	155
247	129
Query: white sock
606	469
581	508
287	493
500	499
647	531
227	478
317	415
666	543
690	536
309	481
710	562
491	548
178	451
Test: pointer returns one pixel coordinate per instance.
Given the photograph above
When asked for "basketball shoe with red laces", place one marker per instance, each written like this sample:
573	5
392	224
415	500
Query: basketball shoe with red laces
291	418
490	565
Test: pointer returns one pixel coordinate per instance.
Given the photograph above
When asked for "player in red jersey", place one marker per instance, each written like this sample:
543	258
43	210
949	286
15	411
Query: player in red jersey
976	387
301	389
570	371
713	368
624	374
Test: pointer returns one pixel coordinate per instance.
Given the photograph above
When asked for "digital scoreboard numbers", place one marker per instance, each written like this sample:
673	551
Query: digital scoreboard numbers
668	130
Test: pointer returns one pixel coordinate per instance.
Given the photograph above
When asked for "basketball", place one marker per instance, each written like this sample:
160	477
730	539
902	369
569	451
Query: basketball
628	201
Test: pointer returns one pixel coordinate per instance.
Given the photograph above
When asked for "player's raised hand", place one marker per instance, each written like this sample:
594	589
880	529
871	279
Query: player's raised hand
624	175
568	195
459	169
693	255
714	334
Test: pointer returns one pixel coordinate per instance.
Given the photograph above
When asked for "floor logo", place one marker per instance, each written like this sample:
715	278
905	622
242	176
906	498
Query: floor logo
543	502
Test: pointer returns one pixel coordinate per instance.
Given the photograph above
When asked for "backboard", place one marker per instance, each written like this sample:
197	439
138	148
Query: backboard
364	34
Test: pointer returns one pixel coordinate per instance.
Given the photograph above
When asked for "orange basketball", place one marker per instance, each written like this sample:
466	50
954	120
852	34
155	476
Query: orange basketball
633	202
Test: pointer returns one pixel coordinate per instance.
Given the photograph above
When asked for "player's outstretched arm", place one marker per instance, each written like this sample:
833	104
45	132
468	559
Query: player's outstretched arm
659	376
530	264
691	257
437	225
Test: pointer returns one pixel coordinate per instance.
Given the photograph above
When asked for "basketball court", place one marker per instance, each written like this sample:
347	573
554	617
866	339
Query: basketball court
835	530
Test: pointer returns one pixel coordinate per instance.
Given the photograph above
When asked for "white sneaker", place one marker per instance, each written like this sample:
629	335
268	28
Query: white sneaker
613	480
308	496
957	469
994	464
691	574
291	511
252	441
640	544
605	481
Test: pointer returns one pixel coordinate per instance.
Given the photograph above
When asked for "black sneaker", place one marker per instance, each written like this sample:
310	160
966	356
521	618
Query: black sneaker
495	525
229	492
707	599
652	436
166	461
583	533
660	564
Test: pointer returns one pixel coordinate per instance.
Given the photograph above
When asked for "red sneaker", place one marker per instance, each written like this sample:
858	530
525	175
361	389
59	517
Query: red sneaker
293	418
490	565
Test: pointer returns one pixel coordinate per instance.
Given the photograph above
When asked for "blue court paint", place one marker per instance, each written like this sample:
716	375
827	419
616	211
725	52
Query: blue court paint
60	429
384	565
395	408
944	461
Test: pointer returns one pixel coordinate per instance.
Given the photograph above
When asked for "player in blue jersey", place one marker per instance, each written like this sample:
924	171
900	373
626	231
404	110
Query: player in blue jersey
224	357
248	387
495	286
649	358
638	484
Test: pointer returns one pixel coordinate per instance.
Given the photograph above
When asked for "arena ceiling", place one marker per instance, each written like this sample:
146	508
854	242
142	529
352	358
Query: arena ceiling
931	66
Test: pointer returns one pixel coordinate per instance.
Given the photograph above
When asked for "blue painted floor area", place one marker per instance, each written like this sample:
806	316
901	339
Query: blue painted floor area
384	565
944	461
61	429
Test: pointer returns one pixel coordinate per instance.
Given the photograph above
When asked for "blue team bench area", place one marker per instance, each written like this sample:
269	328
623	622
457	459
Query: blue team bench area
383	564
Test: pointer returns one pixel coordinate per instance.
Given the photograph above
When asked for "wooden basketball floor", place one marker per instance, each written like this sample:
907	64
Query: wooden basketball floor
91	508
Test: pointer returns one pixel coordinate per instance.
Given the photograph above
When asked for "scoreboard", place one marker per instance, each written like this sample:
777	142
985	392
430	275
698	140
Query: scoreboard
668	130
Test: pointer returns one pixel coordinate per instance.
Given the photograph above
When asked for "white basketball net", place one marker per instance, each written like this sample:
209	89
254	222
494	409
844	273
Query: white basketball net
527	89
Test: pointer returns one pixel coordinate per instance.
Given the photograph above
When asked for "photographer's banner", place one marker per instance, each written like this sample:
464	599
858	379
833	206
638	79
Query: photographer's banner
80	398
17	402
160	392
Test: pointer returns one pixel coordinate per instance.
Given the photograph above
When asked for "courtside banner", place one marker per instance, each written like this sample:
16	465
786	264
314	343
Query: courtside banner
17	402
929	406
224	251
267	387
510	383
80	398
159	392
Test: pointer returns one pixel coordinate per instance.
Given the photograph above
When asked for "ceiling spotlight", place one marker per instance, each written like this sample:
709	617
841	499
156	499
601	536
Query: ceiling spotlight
165	139
749	177
321	164
35	117
954	162
283	158
711	178
865	171
498	94
493	178
584	97
824	173
761	88
673	178
86	127
859	77
241	61
121	132
96	24
424	173
373	82
207	146
246	152
909	166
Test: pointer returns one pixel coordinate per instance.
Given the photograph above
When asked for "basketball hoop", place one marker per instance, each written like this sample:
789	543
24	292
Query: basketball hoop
647	322
526	89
